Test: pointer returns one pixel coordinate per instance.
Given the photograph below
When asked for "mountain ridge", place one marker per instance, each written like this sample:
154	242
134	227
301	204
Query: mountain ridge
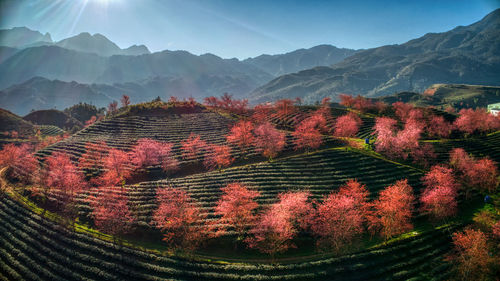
466	54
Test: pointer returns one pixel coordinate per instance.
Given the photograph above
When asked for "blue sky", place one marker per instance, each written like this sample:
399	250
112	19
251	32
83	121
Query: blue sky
241	28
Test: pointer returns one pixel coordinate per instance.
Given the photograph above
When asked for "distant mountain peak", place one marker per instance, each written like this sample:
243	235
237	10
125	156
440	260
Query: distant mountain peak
18	37
468	54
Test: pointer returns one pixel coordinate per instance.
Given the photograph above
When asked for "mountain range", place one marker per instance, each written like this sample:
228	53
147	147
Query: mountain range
91	68
466	54
38	73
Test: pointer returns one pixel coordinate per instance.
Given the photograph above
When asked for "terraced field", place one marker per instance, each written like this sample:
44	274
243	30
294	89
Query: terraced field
35	248
290	121
123	132
487	146
319	172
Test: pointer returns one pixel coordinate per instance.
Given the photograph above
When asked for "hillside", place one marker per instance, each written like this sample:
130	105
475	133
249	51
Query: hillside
466	55
449	95
100	45
11	122
40	93
209	73
321	55
22	36
55	118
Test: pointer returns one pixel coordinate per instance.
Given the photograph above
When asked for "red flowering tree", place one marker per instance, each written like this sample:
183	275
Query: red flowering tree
308	133
407	139
241	134
495	230
209	101
440	195
346	100
111	212
347	125
20	161
217	156
227	102
125	100
92	160
63	178
472	121
268	140
481	174
391	212
385	129
281	222
423	154
236	209
178	218
112	107
261	113
91	121
402	110
471	256
148	152
193	147
341	215
284	108
116	168
439	127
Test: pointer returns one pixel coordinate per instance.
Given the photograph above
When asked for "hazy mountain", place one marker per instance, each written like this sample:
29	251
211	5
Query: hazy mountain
469	55
322	55
208	71
21	36
100	45
6	52
40	93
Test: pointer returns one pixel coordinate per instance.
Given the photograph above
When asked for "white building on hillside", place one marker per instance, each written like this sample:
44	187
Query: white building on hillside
494	108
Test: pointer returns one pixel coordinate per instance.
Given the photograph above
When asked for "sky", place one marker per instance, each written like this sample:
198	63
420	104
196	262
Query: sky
244	28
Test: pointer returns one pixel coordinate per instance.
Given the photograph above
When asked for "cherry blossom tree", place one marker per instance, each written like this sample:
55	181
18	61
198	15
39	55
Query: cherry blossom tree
391	212
125	100
385	129
241	134
92	160
439	198
20	161
178	218
148	152
347	125
112	107
308	133
423	154
91	121
64	179
346	100
402	110
236	209
341	215
111	212
439	127
117	170
193	147
261	113
472	121
284	108
481	174
471	257
217	156
268	140
211	101
281	222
